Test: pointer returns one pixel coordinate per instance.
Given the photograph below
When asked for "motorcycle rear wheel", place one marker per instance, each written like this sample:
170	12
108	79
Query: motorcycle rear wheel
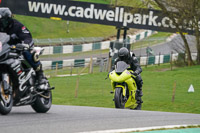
119	102
6	101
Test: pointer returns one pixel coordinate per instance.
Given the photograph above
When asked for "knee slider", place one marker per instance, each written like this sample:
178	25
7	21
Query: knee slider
36	57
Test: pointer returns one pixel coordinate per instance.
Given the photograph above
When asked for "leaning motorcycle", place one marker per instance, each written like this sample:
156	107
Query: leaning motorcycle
124	86
18	82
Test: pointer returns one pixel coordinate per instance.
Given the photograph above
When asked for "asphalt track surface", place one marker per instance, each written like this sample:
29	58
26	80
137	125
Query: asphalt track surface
71	119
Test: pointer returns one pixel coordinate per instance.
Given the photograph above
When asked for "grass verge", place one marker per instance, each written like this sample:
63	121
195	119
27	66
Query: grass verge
158	89
47	28
171	130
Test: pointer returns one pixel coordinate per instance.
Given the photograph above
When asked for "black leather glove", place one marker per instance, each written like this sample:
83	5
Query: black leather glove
21	46
135	73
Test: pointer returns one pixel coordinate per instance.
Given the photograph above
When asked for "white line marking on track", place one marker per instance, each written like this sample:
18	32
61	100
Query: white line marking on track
140	129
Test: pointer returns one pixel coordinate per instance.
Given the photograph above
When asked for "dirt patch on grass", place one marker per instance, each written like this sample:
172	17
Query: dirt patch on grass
165	69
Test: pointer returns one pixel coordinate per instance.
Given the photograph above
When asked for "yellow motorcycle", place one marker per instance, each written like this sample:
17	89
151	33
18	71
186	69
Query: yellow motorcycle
124	86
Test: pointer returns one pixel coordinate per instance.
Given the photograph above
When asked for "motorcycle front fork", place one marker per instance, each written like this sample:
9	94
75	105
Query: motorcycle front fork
6	84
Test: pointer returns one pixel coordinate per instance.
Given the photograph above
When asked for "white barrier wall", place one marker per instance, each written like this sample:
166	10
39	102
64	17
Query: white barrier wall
86	61
143	60
68	49
174	57
87	47
68	63
105	45
48	50
46	64
159	59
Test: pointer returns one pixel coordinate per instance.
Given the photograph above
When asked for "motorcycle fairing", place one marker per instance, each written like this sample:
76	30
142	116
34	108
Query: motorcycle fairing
127	78
120	78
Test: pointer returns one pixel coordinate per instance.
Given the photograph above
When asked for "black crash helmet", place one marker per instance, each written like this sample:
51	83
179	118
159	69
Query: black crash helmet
124	54
5	17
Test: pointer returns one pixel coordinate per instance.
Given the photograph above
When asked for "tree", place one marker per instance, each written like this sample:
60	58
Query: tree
185	15
176	11
195	13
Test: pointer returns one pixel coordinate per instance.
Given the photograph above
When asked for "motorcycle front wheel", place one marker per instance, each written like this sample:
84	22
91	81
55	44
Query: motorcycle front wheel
6	100
43	102
119	102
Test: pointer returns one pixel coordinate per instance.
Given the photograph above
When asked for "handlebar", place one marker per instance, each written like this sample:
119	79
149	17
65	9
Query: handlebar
17	49
133	74
13	47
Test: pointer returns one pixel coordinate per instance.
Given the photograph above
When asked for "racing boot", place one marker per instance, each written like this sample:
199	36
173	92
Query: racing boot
41	78
139	102
138	96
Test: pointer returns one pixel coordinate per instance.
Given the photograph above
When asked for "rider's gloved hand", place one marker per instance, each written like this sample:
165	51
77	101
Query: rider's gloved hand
136	73
23	46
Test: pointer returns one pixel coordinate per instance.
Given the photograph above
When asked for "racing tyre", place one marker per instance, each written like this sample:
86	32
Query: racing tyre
119	102
6	101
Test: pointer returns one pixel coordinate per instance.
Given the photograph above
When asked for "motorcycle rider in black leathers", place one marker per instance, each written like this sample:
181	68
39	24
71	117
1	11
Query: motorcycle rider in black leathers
21	37
125	55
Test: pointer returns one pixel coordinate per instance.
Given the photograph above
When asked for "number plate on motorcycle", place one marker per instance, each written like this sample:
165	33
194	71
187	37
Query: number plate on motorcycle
0	46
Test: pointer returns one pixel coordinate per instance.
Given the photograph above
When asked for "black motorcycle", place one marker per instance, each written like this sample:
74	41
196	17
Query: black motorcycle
18	82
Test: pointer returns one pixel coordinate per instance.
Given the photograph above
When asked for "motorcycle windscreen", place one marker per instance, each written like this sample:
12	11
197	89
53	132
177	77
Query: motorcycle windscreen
4	48
4	38
121	66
